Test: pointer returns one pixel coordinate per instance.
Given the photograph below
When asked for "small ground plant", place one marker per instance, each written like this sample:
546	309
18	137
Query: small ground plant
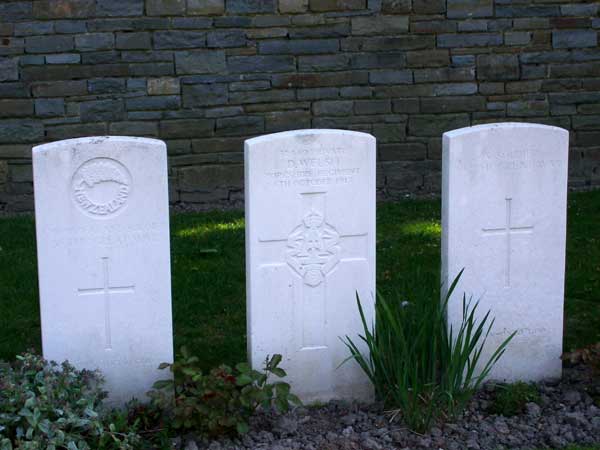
222	400
420	368
46	406
510	399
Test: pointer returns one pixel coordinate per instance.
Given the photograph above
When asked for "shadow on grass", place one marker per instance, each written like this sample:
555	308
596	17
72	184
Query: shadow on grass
208	275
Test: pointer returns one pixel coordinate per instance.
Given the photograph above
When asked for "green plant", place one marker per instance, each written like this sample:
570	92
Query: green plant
419	367
510	399
222	401
46	406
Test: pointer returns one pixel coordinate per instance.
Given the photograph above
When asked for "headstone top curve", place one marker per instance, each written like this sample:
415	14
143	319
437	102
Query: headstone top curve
308	132
148	142
502	126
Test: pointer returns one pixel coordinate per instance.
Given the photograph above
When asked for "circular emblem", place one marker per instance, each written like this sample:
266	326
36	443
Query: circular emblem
101	187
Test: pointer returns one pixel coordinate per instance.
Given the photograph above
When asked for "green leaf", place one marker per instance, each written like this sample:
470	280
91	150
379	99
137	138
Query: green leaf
242	427
244	380
163	366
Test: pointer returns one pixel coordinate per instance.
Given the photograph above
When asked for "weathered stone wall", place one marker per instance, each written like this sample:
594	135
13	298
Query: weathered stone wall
205	74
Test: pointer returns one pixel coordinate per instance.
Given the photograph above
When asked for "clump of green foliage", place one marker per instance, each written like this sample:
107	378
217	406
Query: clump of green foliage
223	400
47	406
420	368
510	399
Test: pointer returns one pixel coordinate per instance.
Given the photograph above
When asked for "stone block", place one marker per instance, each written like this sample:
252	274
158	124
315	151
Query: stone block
133	41
333	108
497	67
473	25
9	69
92	42
318	93
293	6
396	6
49	107
391	77
452	104
205	7
287	120
226	38
102	110
336	5
406	151
106	85
389	132
64	58
268	96
199	95
199	61
527	108
64	9
22	130
179	39
70	26
16	107
186	128
33	28
406	105
527	11
119	8
48	44
259	63
469	40
372	107
463	9
323	62
140	128
60	88
299	46
14	11
163	86
157	102
251	6
517	38
240	126
574	38
429	6
165	7
373	60
435	125
378	25
428	58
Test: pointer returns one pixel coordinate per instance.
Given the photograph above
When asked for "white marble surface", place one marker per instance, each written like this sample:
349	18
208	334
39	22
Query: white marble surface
310	246
504	220
102	223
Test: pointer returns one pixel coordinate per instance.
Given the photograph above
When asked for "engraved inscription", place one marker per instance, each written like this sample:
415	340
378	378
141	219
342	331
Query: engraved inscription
507	231
312	248
106	234
312	167
510	160
101	187
106	290
520	332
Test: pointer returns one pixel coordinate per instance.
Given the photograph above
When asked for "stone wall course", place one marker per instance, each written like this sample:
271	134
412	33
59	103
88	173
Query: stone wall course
205	74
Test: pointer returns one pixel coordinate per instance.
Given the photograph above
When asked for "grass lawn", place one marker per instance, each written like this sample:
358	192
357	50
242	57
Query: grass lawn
209	276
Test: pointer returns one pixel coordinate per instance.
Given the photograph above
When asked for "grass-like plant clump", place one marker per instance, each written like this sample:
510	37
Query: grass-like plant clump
421	368
510	399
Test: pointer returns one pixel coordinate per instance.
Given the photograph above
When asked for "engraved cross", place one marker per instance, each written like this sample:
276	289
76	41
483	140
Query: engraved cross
312	250
106	291
508	230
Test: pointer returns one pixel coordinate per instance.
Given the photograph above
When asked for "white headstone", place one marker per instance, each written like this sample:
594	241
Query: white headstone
310	247
102	222
504	221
